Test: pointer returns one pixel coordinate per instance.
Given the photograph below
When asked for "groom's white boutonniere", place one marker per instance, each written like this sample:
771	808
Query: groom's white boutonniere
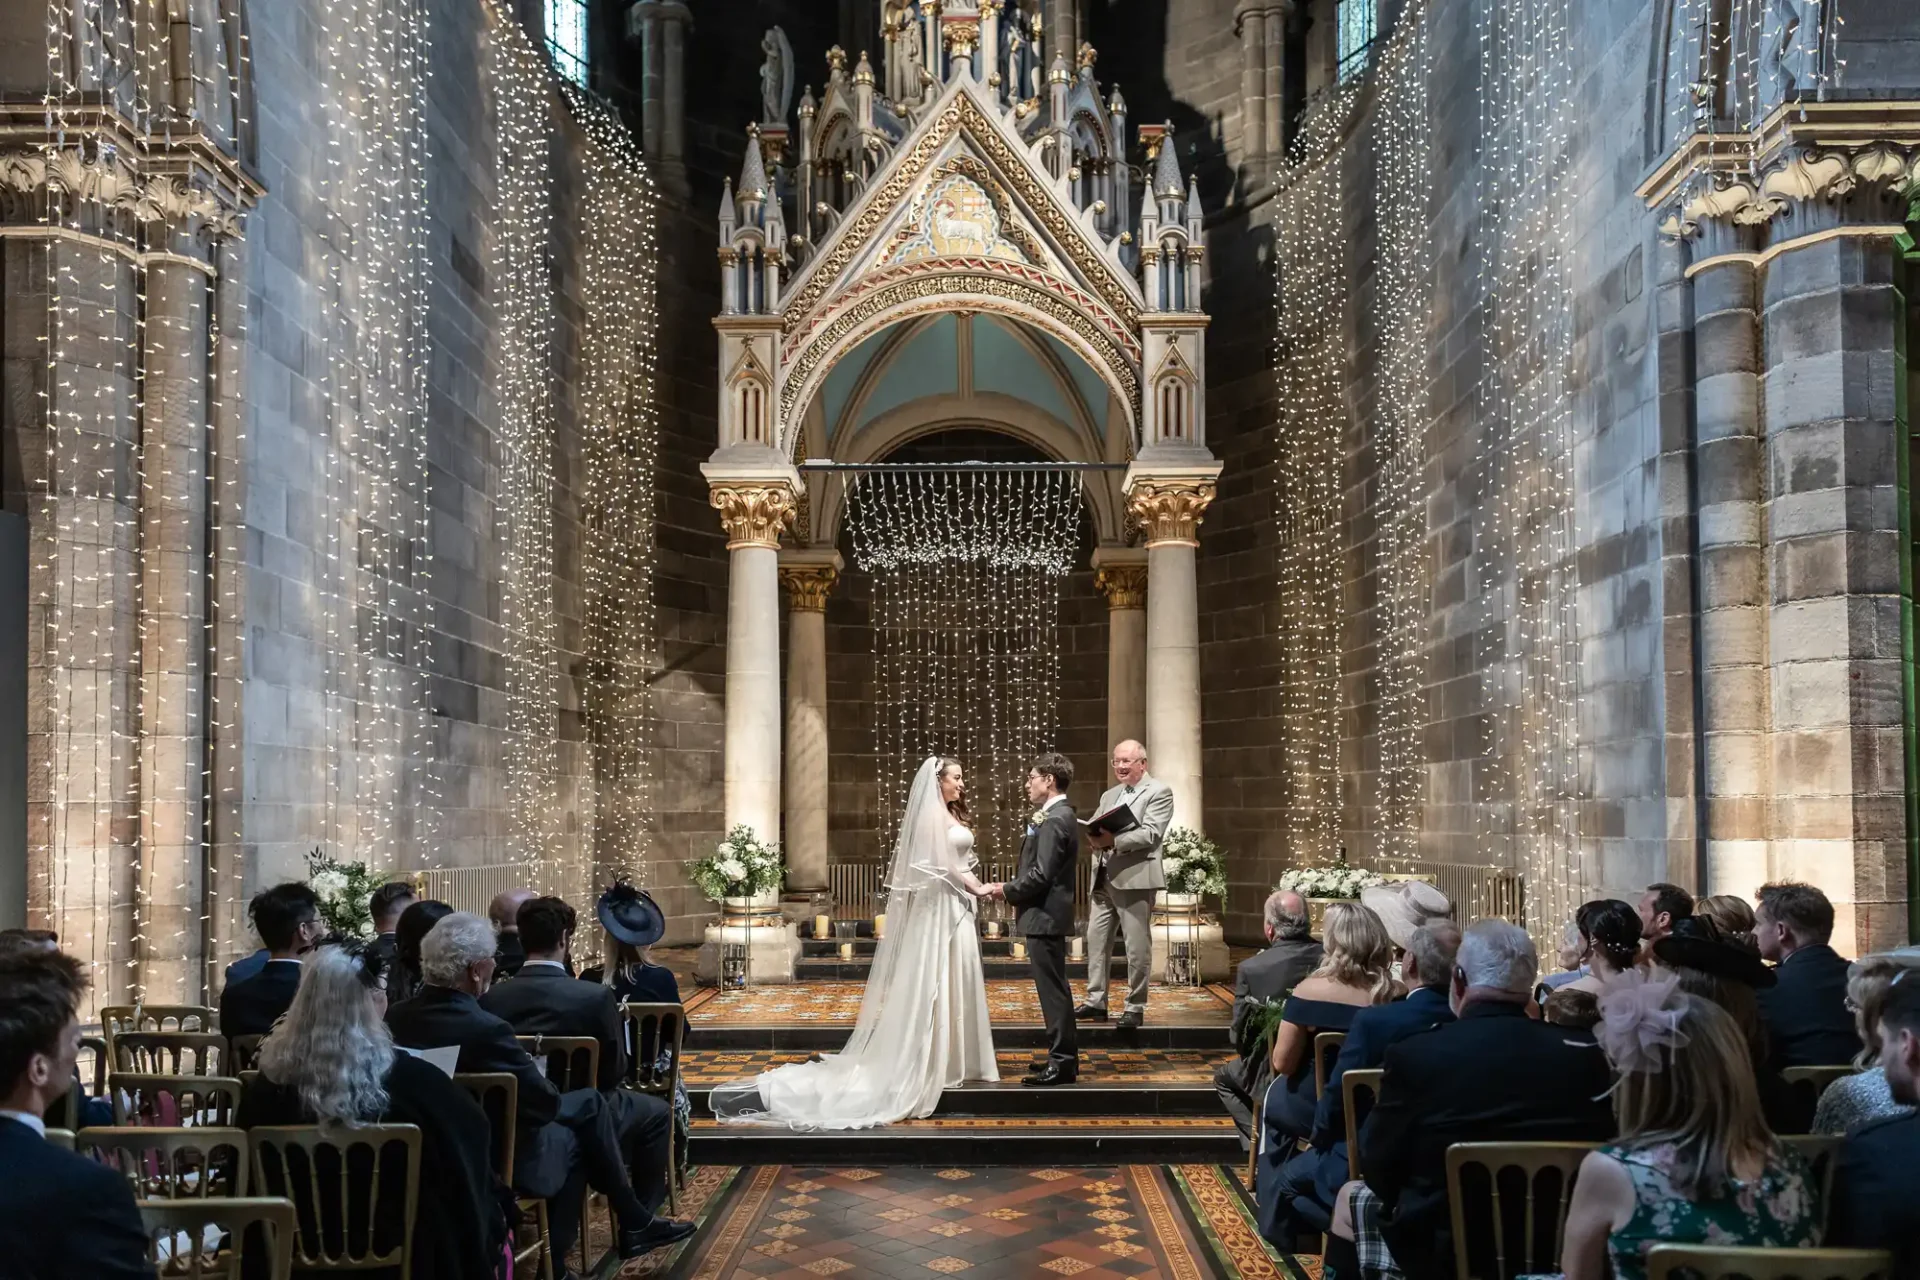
1037	817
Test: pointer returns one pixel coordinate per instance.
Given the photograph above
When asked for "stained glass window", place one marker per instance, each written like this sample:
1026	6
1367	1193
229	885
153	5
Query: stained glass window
1357	22
567	38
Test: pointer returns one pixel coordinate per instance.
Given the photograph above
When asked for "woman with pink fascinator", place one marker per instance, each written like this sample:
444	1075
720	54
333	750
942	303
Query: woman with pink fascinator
1694	1161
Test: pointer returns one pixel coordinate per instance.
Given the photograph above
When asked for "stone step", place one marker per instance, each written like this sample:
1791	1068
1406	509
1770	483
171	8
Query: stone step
986	1139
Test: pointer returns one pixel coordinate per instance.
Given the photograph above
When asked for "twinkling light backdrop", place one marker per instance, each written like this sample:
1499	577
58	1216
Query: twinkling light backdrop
967	569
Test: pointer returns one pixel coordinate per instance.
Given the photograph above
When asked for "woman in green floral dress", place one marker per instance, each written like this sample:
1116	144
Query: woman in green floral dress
1695	1162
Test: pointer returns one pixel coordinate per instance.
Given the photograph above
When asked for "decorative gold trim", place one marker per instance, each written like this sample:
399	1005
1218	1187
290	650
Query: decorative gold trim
753	514
1125	585
808	586
1170	510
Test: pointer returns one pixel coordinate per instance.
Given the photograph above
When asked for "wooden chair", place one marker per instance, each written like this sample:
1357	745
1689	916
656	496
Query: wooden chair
1548	1166
573	1062
664	1027
340	1223
99	1062
244	1050
243	1226
498	1093
204	1162
61	1138
1353	1084
1819	1151
169	1053
169	1100
118	1019
1714	1262
1811	1082
1326	1049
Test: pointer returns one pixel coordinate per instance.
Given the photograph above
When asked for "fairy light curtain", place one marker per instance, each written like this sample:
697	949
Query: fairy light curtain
967	568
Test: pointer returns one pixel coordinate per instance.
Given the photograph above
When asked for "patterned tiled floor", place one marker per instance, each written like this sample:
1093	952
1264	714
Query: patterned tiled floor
1099	1066
1012	1003
786	1223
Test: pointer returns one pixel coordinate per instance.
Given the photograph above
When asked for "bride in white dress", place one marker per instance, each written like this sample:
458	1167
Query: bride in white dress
923	1025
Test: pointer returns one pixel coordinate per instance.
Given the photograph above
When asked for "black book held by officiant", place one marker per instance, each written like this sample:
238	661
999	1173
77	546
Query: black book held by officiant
1115	821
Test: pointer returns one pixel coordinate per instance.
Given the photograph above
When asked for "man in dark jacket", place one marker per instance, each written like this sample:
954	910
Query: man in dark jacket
1806	1011
287	918
1291	955
544	1000
385	906
504	911
556	1133
61	1215
1492	1075
1873	1204
1042	887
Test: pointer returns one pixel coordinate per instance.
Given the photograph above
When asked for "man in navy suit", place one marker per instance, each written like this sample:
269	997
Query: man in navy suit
287	918
1042	887
1807	1015
61	1215
1873	1202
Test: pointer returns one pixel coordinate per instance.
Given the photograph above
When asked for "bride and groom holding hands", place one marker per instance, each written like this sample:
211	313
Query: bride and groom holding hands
924	1026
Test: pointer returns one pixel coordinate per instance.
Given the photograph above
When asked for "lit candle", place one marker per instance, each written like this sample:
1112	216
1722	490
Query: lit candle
846	951
822	926
1077	948
993	928
1019	949
880	925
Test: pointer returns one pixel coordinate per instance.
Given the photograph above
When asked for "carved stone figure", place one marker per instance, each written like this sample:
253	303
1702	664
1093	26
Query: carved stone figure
776	76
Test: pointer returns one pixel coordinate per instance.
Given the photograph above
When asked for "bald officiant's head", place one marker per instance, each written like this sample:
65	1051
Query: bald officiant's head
505	911
1129	762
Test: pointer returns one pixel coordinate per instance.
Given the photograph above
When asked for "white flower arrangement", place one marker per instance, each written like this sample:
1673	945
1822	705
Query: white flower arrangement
739	867
343	889
1336	881
1192	863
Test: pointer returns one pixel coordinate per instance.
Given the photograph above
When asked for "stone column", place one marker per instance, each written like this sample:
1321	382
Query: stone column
1170	508
1250	24
1276	61
1733	574
753	514
809	576
1121	572
173	577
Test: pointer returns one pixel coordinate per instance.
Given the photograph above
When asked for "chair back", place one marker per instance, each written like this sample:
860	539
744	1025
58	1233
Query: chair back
245	1049
656	1034
572	1062
1326	1048
1509	1202
173	1100
1810	1082
61	1138
178	1232
204	1162
98	1060
498	1093
1359	1090
1820	1151
355	1192
118	1019
169	1053
1713	1262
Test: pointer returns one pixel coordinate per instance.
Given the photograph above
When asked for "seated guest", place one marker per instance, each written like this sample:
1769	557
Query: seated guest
1661	907
1577	1009
1807	1010
1403	906
505	914
1612	932
1731	915
1492	1075
1694	1162
61	1215
633	923
1732	976
1573	964
287	918
1356	973
1874	1206
1301	1198
403	979
1856	1099
557	1132
1291	955
330	1061
385	906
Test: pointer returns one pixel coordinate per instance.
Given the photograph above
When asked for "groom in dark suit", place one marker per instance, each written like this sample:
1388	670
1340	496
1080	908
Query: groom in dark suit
1043	890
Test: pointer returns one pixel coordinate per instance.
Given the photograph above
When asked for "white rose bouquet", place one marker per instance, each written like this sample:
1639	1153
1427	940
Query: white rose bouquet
343	889
1336	881
739	867
1192	863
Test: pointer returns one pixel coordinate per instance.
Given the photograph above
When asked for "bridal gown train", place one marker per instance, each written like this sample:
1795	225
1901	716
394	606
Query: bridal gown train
923	1026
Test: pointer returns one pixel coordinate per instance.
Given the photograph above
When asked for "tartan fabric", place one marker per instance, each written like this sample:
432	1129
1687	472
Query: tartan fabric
1376	1262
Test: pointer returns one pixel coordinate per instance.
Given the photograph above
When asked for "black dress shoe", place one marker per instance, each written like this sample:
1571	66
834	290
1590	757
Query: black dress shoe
1130	1020
1089	1013
657	1234
1051	1076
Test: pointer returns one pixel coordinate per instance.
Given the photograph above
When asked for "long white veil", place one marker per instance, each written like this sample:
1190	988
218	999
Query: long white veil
882	1074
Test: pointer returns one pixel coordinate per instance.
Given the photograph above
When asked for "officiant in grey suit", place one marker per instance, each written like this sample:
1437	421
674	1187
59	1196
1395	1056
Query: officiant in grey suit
1127	874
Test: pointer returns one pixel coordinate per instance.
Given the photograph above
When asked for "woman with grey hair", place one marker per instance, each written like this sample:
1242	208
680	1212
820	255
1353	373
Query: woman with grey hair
330	1061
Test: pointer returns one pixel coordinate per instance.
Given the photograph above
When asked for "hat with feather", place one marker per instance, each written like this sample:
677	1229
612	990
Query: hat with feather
631	916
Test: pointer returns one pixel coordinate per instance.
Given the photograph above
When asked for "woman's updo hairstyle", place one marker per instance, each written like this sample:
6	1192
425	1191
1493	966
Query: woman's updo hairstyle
1612	928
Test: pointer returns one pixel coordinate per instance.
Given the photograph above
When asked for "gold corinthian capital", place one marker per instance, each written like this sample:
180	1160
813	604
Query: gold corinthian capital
1170	510
753	514
1125	585
808	586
